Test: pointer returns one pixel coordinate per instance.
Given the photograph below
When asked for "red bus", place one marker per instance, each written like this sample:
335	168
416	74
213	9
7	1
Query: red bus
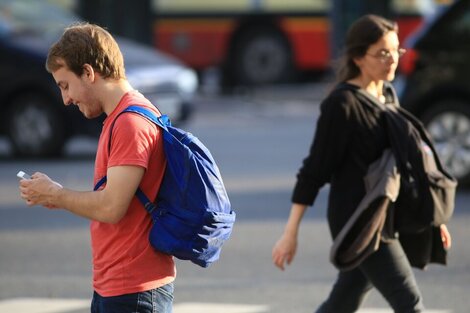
258	41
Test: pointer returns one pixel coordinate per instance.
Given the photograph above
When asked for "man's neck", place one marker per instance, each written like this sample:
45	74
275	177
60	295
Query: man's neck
112	93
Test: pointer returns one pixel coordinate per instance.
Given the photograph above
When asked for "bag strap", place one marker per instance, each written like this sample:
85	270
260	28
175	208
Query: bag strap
163	122
148	205
390	95
414	121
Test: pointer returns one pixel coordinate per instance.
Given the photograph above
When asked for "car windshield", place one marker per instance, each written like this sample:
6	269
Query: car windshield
422	7
39	18
459	24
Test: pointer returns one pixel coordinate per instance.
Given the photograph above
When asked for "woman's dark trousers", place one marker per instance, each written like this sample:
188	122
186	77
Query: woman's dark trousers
389	271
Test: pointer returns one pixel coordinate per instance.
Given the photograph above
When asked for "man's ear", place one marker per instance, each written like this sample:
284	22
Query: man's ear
88	72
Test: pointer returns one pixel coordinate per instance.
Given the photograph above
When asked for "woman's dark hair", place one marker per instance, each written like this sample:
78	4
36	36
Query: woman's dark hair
363	33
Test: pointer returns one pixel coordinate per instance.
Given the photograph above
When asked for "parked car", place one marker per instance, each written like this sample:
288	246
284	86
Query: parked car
32	114
436	83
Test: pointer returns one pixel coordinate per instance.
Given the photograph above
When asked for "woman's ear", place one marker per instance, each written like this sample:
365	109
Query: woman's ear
358	61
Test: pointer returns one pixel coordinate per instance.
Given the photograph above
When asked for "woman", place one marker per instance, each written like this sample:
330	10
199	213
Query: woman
350	136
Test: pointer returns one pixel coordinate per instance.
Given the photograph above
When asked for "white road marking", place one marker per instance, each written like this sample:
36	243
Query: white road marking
191	307
373	310
44	305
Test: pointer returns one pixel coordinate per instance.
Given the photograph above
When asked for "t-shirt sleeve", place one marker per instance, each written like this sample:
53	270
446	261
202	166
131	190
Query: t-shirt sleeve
327	149
132	141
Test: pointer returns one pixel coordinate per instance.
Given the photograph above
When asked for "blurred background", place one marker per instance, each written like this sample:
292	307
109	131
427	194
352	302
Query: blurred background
246	77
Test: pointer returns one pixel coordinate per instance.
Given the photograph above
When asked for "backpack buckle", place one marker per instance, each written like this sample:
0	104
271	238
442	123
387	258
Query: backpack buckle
149	206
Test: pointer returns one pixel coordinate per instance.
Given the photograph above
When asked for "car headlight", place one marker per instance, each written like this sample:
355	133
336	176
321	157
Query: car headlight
187	81
164	78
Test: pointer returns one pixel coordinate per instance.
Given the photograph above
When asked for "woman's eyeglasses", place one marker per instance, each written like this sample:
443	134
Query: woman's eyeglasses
385	55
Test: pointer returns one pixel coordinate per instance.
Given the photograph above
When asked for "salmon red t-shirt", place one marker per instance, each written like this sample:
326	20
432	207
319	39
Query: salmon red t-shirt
123	260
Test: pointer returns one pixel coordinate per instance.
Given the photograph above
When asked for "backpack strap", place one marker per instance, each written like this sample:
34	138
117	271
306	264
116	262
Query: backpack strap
163	122
148	205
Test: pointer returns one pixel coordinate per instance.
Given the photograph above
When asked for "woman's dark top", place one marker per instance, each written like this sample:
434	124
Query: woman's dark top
350	135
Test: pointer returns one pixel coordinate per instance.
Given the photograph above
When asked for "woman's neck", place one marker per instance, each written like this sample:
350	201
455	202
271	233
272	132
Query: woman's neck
375	88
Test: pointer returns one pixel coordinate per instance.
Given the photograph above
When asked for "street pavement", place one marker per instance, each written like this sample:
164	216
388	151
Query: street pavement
259	139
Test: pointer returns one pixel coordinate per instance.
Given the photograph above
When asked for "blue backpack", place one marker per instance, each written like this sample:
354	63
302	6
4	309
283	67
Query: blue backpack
192	215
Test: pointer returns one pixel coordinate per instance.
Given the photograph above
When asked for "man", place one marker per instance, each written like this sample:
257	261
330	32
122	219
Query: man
128	274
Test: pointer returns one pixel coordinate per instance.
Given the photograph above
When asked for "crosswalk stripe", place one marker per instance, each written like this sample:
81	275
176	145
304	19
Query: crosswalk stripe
45	305
373	310
218	307
42	305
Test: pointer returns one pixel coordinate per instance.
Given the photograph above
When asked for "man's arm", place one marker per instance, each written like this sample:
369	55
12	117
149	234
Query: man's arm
108	205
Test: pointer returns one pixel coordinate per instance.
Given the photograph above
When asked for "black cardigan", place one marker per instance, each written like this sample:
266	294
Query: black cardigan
350	135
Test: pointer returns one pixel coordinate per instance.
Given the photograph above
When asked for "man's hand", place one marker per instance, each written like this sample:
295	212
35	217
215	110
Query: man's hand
108	205
39	190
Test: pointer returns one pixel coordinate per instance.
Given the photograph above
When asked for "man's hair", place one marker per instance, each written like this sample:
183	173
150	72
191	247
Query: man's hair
85	43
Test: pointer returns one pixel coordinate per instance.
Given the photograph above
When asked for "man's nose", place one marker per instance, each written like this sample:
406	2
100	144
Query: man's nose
67	100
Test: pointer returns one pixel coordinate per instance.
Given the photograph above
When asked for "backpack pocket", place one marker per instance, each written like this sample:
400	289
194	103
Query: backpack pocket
181	235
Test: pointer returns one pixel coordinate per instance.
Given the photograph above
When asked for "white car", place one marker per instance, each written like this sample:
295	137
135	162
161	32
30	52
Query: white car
31	110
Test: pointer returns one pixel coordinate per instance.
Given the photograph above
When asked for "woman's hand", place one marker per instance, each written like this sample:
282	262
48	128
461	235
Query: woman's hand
445	236
284	250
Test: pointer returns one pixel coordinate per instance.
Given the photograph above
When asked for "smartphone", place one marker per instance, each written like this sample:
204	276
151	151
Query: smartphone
23	175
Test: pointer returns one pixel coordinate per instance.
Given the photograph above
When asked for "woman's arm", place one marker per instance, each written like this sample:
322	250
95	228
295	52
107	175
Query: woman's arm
285	248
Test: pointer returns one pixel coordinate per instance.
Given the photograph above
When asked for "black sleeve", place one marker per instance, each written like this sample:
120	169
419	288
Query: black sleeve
328	148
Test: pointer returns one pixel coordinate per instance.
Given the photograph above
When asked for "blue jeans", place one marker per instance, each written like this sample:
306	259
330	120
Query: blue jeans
389	271
159	300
